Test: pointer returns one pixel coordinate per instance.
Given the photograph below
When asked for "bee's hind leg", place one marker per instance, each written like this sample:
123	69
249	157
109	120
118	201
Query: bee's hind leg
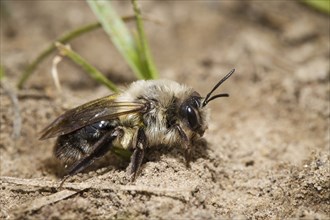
138	154
100	148
62	181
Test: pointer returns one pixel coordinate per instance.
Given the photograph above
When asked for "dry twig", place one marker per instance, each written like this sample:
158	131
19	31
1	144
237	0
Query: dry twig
38	203
70	189
17	119
87	185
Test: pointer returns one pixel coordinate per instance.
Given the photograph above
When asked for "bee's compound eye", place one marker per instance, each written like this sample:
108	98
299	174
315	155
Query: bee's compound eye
192	117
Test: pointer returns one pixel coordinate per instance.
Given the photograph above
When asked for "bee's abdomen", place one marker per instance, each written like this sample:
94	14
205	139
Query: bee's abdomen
73	146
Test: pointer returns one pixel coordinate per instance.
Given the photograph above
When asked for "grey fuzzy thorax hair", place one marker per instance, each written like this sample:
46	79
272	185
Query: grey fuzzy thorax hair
164	98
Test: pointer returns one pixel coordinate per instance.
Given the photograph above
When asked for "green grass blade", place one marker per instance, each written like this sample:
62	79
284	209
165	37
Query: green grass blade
2	73
122	153
92	71
118	33
144	50
321	5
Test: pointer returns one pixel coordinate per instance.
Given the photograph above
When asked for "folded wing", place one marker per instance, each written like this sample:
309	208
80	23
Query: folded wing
105	108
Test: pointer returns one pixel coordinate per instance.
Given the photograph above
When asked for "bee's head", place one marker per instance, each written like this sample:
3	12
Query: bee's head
192	109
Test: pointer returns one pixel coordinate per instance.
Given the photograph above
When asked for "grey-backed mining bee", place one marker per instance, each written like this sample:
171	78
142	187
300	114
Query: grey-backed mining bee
146	114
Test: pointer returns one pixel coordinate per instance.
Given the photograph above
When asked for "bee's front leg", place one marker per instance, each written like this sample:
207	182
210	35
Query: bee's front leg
187	145
138	154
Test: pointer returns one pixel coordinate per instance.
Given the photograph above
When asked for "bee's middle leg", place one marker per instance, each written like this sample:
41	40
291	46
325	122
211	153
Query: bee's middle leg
138	154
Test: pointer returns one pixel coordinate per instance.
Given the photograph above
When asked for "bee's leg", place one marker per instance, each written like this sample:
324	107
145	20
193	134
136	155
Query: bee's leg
138	154
100	148
63	180
187	154
187	145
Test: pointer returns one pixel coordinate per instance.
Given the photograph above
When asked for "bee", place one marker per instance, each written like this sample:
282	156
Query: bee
147	114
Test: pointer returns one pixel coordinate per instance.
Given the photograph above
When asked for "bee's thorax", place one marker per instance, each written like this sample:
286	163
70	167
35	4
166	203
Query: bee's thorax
164	99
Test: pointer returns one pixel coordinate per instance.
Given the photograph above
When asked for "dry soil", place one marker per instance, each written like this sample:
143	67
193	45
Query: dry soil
266	154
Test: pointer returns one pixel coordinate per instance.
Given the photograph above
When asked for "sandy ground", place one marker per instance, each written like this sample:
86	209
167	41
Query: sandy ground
266	154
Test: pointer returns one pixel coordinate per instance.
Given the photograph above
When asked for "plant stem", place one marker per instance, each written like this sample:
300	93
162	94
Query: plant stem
92	71
64	39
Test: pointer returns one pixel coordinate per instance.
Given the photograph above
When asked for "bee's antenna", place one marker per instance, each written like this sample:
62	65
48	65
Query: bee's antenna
208	98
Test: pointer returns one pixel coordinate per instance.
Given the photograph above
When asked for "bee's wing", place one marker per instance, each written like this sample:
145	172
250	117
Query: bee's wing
105	108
